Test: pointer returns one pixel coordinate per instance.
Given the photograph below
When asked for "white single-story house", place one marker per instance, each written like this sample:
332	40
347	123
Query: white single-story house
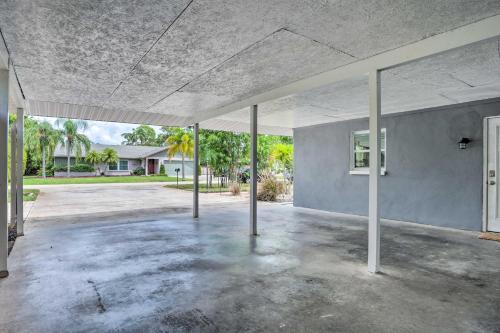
131	158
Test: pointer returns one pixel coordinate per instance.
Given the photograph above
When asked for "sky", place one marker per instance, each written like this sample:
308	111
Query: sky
104	132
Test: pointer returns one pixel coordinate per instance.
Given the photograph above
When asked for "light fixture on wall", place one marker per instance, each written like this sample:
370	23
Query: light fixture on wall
462	144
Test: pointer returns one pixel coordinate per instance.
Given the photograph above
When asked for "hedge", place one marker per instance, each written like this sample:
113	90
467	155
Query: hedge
76	168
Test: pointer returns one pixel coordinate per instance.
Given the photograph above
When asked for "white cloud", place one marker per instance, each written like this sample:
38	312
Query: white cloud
104	132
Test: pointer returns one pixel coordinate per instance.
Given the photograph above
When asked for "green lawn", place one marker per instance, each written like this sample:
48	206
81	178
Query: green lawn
203	187
28	195
96	180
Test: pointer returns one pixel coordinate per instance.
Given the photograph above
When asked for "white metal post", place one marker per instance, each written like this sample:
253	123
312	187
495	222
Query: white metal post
196	176
253	170
374	190
4	125
20	170
13	177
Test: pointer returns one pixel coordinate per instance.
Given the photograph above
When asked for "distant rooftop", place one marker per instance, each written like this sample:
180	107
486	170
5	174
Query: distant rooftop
123	151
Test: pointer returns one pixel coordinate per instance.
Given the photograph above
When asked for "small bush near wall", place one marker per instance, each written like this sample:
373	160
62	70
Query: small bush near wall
269	188
235	189
162	169
139	171
76	168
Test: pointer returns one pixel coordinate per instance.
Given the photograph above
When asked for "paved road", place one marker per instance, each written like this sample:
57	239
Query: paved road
118	200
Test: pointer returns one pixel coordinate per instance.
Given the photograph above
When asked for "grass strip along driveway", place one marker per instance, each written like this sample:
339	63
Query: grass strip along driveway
28	194
203	187
96	180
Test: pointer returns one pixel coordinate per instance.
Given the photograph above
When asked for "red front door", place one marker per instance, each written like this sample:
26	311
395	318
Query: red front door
151	167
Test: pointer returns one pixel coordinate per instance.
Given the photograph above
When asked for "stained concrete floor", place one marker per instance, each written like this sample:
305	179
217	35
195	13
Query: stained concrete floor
306	272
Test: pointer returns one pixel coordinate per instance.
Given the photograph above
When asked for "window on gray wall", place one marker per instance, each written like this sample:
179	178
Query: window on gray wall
360	151
124	165
112	166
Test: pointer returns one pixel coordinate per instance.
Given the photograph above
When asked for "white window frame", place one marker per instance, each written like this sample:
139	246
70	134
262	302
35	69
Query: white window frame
365	170
118	166
128	165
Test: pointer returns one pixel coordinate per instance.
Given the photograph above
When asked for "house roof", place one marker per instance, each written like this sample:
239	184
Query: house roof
123	151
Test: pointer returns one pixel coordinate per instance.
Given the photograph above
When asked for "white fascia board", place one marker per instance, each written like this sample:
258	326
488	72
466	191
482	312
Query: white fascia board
15	93
15	90
4	54
468	34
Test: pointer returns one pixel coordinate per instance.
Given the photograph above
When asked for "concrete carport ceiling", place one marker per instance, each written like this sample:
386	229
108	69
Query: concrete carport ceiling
467	74
172	62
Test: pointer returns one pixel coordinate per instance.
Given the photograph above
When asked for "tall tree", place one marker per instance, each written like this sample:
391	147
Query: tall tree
180	142
74	141
40	140
142	135
165	132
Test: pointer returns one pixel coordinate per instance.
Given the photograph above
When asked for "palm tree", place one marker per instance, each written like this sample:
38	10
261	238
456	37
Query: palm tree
95	158
74	141
180	141
42	138
109	155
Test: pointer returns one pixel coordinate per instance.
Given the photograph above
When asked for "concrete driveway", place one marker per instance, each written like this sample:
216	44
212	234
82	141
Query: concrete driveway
85	201
306	272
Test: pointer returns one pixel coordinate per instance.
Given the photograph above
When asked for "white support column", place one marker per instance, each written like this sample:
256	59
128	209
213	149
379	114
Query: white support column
146	167
196	176
253	170
20	170
13	176
374	189
4	125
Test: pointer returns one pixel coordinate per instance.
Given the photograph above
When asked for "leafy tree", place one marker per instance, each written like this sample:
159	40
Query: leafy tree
224	152
73	140
142	135
165	132
180	142
282	155
40	139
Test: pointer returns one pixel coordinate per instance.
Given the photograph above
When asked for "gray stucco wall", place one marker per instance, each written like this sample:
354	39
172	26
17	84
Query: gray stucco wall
429	180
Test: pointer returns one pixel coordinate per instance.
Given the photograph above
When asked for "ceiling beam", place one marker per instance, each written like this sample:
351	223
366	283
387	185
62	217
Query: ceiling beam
472	33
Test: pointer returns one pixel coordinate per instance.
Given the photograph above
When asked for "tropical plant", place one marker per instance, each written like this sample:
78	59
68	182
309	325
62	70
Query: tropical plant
282	156
40	140
162	169
73	140
109	155
95	158
180	142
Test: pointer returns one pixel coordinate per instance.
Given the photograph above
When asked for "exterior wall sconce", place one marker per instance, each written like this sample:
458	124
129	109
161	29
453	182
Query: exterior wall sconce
462	144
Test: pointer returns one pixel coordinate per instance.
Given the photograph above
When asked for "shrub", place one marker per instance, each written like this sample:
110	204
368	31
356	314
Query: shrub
269	188
162	169
140	171
75	168
49	170
235	189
